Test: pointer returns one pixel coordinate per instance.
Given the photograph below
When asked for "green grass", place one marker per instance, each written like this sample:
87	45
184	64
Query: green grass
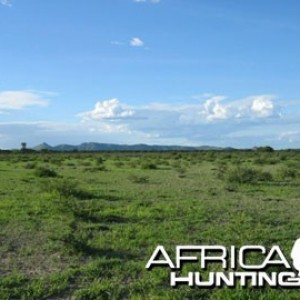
84	225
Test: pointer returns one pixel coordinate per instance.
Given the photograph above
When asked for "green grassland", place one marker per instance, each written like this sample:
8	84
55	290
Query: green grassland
84	225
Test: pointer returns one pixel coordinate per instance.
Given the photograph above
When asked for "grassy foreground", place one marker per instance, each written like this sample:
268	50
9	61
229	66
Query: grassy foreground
83	226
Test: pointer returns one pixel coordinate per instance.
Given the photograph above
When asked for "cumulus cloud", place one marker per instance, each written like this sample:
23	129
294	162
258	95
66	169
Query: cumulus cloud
163	115
6	3
13	100
136	42
212	120
214	110
260	106
263	106
107	109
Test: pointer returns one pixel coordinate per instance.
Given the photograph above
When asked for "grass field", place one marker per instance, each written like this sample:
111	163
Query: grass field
84	225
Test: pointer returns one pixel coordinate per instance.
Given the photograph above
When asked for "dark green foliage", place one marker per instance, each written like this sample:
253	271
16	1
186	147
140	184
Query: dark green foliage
287	173
66	189
101	168
30	165
99	161
242	175
148	166
119	164
45	172
265	160
264	149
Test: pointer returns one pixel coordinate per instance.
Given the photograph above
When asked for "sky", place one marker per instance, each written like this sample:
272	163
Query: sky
171	72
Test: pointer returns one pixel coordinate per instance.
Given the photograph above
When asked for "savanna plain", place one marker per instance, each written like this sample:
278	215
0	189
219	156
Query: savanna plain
84	225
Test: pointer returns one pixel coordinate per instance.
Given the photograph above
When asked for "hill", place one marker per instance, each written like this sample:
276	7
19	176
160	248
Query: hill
117	147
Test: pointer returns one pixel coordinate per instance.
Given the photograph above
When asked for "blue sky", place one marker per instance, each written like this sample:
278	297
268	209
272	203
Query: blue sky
188	72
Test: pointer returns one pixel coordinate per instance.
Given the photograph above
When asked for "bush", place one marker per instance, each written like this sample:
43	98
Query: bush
264	176
30	165
149	166
287	173
242	175
67	189
181	172
99	161
264	149
263	160
119	164
101	168
86	163
221	169
45	172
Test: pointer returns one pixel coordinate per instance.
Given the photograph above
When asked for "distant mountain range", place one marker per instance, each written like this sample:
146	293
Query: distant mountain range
117	147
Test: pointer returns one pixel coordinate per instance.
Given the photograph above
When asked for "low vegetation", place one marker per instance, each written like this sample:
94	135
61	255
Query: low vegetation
83	225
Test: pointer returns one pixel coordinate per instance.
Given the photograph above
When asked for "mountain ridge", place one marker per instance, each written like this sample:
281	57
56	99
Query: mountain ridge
93	146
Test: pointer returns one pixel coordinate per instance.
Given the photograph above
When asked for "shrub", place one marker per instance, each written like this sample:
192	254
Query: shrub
283	157
221	169
242	175
119	164
67	189
45	172
263	160
99	161
30	165
86	163
101	168
264	149
181	172
176	165
287	173
148	166
264	176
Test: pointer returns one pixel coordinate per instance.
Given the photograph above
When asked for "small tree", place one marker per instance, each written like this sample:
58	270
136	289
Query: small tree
23	146
264	149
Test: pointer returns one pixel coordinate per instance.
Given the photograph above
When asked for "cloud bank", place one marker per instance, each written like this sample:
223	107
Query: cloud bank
214	119
210	120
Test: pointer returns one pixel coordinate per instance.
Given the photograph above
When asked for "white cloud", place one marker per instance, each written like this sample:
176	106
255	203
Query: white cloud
13	100
260	106
214	120
108	109
136	42
181	120
214	110
6	3
263	106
